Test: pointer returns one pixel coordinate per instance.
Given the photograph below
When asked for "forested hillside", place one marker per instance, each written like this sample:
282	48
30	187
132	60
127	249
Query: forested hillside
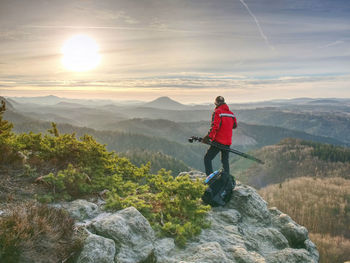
247	136
293	158
320	204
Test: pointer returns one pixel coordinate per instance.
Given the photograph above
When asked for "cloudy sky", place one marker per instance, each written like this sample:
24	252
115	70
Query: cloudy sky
192	51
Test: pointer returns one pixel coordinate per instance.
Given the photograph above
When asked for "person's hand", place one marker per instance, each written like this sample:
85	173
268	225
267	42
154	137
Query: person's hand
206	139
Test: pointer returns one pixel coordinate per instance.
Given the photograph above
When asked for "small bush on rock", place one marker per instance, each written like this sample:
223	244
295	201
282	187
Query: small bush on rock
172	205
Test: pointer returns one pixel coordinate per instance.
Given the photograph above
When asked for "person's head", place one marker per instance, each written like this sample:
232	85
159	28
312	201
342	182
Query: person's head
219	100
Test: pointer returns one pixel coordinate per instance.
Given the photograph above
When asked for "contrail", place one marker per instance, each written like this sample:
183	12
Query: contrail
258	24
332	44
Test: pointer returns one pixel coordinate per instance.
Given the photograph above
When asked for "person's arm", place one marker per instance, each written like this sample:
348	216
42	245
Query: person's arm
215	125
234	123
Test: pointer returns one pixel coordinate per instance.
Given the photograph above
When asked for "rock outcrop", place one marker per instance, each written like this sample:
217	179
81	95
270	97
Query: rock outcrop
244	231
97	249
81	209
131	232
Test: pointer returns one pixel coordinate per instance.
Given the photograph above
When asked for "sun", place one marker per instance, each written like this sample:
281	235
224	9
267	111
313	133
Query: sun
80	53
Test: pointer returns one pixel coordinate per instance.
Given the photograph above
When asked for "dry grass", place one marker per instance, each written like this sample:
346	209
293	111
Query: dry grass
36	233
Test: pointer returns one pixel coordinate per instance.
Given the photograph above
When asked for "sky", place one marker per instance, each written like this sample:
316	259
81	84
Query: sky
191	51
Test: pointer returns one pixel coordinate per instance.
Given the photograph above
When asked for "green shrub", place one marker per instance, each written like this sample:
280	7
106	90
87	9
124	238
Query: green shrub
158	160
8	151
172	205
44	198
70	182
73	168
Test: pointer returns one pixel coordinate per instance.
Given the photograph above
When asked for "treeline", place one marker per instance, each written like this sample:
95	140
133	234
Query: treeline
322	205
328	152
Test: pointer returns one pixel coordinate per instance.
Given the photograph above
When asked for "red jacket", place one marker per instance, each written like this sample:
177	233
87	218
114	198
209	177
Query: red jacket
222	123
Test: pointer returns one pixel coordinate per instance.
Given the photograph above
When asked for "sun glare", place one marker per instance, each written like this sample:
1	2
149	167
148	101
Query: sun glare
80	53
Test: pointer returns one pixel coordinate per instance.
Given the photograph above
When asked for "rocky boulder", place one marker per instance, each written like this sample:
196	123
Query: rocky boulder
244	231
97	249
81	209
133	235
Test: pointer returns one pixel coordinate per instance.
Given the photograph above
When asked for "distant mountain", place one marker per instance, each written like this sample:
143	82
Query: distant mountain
54	100
257	126
71	113
64	104
45	100
324	101
334	123
165	103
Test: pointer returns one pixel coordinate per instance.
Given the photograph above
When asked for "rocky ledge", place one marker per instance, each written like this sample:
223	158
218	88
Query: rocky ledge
244	231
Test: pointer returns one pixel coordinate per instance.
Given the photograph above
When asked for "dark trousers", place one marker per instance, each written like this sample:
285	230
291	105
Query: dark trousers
210	155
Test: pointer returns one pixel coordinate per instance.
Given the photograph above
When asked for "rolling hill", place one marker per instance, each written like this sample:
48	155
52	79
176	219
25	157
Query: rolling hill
328	124
246	136
326	118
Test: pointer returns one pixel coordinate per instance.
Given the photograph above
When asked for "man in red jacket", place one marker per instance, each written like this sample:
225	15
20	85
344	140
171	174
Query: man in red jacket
220	133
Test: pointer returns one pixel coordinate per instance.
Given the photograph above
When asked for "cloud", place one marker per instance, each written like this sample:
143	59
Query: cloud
186	82
106	15
191	89
153	27
14	35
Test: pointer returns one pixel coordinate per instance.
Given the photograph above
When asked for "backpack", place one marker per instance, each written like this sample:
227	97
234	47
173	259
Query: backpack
220	187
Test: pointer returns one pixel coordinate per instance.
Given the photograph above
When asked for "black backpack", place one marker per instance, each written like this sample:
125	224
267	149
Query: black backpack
220	187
